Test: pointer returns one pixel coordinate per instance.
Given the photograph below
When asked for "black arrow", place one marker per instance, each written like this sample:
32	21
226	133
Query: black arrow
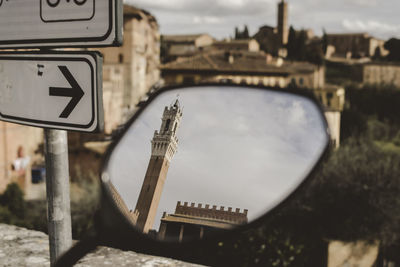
75	92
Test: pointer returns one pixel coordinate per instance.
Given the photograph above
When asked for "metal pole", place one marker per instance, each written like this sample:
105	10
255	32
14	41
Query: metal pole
57	188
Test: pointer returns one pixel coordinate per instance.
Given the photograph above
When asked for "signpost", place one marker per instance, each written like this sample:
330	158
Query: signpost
57	91
60	23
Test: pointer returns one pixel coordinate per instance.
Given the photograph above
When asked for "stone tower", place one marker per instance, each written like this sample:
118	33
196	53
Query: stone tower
163	147
283	29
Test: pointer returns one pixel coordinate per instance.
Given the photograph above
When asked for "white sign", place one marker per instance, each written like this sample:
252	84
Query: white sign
53	90
60	23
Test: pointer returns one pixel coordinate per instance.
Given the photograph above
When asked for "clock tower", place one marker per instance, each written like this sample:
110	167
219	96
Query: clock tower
163	147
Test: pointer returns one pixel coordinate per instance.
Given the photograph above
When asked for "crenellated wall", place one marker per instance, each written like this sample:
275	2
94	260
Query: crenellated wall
212	212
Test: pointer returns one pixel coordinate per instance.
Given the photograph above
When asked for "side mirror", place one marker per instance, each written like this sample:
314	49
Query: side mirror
197	163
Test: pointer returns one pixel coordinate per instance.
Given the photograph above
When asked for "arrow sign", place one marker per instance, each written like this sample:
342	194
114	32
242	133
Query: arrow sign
59	90
75	92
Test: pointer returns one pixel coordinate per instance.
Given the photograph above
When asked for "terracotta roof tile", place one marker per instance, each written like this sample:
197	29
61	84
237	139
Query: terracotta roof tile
255	62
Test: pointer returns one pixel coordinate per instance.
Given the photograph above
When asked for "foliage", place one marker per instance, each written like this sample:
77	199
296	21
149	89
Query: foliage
299	48
33	214
393	46
242	34
355	196
13	200
324	41
379	101
6	216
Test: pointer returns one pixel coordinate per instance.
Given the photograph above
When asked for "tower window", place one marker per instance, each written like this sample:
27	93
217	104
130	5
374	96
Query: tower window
176	125
167	125
121	58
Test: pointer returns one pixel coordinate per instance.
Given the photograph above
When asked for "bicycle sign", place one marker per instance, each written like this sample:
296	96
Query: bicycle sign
54	3
60	23
73	10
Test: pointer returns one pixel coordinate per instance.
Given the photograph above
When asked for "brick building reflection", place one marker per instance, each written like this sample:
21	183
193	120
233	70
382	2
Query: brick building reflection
190	222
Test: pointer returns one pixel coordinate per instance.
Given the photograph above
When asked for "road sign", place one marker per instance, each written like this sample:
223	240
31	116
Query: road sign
59	90
60	23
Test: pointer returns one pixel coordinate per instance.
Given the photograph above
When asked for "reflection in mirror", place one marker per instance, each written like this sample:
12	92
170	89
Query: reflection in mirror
208	159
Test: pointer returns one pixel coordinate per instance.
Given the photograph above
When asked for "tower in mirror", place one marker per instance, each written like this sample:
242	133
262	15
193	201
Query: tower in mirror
164	145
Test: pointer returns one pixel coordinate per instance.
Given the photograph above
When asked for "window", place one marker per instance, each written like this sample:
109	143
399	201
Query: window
167	125
121	58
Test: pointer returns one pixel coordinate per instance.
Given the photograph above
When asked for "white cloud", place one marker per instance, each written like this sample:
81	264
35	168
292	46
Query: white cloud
206	20
370	26
366	3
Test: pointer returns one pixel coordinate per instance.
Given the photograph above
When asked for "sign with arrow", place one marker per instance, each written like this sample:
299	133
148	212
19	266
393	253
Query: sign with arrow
59	90
60	23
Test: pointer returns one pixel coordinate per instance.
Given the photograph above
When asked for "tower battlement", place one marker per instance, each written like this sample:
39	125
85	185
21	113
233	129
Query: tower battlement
212	212
165	141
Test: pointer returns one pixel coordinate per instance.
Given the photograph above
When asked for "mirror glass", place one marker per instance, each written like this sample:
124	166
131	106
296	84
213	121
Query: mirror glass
209	159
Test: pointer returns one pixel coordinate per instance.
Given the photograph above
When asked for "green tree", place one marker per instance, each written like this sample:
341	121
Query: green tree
245	34
292	44
355	195
324	41
13	199
393	46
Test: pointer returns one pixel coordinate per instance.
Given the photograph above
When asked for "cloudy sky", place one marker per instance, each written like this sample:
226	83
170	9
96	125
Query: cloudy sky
237	148
219	17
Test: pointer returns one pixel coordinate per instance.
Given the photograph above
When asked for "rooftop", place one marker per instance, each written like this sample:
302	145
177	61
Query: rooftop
237	61
183	37
132	11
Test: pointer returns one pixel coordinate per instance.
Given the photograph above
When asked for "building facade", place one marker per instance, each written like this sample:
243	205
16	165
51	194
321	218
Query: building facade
19	149
191	222
381	74
132	69
164	145
243	68
274	39
250	45
354	45
181	46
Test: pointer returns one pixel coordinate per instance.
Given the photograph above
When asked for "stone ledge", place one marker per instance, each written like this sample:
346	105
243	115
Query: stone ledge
22	247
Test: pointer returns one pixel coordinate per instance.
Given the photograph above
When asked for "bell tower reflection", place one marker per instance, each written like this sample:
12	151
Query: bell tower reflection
163	147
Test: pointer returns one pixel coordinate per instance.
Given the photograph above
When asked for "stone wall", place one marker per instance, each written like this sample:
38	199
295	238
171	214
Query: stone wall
381	74
357	254
22	247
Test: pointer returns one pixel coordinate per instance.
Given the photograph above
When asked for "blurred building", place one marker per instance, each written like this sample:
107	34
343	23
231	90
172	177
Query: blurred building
180	46
274	39
354	45
332	98
365	72
190	222
250	45
131	70
381	74
19	146
242	67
